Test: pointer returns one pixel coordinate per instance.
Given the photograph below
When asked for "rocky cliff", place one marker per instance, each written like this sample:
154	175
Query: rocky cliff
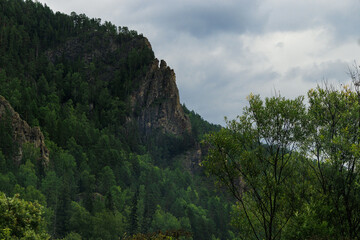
22	133
156	104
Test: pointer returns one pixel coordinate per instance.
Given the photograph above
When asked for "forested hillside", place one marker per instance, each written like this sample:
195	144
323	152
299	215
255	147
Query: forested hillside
92	129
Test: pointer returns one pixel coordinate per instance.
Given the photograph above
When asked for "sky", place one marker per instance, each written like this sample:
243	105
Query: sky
223	50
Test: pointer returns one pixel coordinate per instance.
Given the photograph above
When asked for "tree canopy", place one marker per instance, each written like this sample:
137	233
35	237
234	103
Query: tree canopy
292	168
20	219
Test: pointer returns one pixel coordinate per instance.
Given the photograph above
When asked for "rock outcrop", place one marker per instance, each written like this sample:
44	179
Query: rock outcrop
22	133
156	104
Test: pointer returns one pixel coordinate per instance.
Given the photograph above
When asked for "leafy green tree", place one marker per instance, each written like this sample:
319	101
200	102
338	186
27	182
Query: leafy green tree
256	156
164	221
219	213
108	225
87	189
80	220
7	182
34	162
168	235
201	225
66	166
72	236
335	147
33	194
134	221
20	219
106	180
50	186
27	174
141	207
117	199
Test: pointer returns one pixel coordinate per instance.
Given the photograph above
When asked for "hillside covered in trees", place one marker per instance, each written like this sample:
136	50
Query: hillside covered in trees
92	129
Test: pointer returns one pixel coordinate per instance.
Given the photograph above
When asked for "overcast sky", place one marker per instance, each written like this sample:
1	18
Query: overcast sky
223	50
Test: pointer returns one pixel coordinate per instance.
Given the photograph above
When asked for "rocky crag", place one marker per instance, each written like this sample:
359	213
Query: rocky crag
156	104
22	133
154	101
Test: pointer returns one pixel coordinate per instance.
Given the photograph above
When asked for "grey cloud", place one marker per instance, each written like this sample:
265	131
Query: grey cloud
224	93
341	16
280	45
203	18
336	70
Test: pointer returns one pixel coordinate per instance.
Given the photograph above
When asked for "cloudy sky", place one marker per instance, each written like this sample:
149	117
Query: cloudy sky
222	50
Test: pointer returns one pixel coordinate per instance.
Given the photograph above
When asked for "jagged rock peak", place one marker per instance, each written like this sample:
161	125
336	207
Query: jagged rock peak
163	64
23	133
147	42
156	104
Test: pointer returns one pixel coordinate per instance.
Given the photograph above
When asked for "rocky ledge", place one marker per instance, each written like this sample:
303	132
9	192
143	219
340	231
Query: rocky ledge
22	133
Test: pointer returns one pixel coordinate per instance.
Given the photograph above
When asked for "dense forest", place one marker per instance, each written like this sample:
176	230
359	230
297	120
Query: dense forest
73	78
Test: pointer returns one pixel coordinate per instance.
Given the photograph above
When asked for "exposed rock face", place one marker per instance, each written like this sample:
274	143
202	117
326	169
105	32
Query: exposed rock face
156	104
23	133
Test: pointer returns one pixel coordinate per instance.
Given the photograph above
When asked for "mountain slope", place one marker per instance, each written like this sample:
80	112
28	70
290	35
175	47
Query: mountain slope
113	125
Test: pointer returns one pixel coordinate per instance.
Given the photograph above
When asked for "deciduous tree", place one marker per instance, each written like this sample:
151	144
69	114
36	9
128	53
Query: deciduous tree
256	156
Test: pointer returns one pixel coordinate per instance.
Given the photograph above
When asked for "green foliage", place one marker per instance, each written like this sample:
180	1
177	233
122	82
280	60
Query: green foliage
169	235
334	143
20	219
80	220
7	182
199	126
72	236
256	158
7	147
108	225
164	221
293	171
72	76
27	175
